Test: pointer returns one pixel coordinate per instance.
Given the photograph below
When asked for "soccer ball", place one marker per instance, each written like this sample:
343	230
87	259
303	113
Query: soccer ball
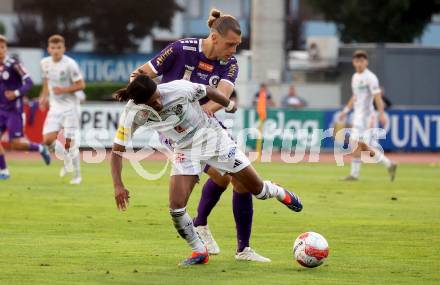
310	249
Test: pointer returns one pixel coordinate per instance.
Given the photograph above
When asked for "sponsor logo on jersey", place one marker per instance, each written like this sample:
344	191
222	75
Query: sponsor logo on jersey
189	48
202	75
164	56
205	66
214	80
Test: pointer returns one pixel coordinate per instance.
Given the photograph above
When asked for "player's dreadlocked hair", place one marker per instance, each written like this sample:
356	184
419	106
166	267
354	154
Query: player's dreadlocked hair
139	90
223	23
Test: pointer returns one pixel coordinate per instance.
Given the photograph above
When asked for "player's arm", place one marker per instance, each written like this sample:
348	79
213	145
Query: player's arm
346	109
380	108
76	86
44	94
121	193
143	69
26	83
220	99
159	64
226	89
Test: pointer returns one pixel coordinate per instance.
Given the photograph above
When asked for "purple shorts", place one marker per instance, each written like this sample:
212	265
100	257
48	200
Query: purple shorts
13	122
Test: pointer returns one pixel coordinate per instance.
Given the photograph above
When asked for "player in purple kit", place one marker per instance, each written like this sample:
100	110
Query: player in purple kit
14	83
211	62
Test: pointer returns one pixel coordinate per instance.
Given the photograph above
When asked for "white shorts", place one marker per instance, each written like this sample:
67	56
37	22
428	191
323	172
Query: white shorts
220	153
66	119
364	126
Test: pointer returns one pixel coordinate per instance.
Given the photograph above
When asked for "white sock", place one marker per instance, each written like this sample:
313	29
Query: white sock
271	190
4	171
380	157
355	167
40	148
184	226
76	161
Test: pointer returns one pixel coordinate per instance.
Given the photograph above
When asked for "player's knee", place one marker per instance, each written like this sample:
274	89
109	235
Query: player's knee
221	180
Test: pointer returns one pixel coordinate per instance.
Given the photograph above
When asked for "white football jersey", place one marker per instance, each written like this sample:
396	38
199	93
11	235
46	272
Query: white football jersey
364	85
179	119
61	74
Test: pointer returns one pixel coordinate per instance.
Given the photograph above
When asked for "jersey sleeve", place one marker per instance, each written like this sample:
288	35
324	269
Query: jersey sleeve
25	77
166	58
75	72
126	128
373	85
44	70
231	72
195	91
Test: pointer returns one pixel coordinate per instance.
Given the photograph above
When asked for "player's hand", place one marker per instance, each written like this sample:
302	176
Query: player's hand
122	197
58	90
208	112
10	95
42	103
383	119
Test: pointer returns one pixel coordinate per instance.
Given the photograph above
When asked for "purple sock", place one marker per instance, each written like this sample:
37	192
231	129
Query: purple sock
2	162
34	147
210	195
243	212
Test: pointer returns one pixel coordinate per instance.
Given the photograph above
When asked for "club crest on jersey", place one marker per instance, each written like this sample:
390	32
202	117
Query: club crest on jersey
177	109
205	66
214	80
5	75
163	56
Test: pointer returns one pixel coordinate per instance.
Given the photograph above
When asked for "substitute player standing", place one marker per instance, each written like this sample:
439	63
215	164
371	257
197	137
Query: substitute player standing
14	83
61	80
365	86
211	62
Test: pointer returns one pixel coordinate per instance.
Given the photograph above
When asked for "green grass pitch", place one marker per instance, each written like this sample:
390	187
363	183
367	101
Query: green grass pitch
55	233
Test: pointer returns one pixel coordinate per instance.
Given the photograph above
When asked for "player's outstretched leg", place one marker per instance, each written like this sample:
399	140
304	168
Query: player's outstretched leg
263	190
23	144
180	189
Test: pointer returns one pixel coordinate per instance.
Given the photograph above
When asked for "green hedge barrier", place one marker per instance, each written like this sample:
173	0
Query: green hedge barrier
94	91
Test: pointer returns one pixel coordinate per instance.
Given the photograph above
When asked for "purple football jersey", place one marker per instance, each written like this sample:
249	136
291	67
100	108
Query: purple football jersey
13	77
184	59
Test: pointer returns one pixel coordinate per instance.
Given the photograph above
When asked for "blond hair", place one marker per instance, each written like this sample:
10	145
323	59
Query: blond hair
221	23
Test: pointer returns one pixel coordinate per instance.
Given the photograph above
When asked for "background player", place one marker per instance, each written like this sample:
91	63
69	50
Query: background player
172	109
365	86
211	62
61	80
14	83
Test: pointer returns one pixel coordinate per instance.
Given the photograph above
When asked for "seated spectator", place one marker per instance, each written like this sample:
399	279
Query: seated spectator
269	101
292	100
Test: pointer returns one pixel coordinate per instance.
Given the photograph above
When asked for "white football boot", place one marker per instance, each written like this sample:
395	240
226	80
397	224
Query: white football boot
248	254
207	238
76	180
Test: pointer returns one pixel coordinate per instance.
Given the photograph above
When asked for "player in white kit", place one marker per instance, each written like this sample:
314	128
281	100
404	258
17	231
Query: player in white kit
62	81
174	111
365	87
